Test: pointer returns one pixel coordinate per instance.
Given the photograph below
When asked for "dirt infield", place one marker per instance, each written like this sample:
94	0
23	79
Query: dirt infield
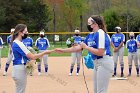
58	80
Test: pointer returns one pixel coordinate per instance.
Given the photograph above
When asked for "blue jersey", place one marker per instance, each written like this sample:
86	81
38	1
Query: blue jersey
1	41
42	43
77	39
28	42
117	38
89	40
9	39
101	40
131	45
19	53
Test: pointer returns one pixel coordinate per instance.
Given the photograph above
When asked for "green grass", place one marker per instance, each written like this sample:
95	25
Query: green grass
53	46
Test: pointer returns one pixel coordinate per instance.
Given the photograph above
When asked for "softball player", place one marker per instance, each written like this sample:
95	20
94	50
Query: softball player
131	45
76	56
42	43
138	48
28	42
9	53
21	55
1	43
117	42
101	54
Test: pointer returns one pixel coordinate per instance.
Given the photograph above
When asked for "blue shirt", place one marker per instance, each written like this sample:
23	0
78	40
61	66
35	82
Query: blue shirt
42	43
77	39
9	39
1	41
89	40
19	51
131	45
138	39
101	40
117	38
28	42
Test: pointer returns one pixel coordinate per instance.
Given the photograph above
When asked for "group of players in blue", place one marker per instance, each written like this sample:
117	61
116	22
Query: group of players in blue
97	42
41	43
117	42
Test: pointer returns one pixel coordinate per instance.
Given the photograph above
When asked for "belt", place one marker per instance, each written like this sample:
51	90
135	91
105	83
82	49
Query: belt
19	64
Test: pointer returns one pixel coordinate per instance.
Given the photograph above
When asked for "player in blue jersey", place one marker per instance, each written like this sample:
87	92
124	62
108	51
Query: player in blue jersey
1	46
138	48
42	43
131	45
100	52
117	42
9	59
76	56
28	42
21	55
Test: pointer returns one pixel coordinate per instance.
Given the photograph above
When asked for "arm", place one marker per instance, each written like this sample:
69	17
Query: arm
98	52
71	49
35	56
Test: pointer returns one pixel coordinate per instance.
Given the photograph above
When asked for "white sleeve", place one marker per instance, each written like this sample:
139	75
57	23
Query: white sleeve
101	39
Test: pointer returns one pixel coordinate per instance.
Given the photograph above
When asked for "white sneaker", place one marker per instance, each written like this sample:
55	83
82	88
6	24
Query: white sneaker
39	73
77	74
70	74
46	73
4	73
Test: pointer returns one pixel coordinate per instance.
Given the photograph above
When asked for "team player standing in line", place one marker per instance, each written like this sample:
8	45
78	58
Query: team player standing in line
76	56
101	54
9	59
131	45
42	43
21	55
138	50
117	42
1	45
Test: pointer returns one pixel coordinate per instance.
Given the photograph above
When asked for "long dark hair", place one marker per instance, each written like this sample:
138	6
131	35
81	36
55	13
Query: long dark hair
100	21
18	28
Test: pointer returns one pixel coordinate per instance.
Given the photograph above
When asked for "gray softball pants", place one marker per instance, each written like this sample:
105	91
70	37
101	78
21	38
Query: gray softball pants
9	57
44	59
76	58
119	54
19	75
0	58
131	57
103	69
138	55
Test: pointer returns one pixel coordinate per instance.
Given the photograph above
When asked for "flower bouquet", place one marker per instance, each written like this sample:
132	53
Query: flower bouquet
70	42
30	65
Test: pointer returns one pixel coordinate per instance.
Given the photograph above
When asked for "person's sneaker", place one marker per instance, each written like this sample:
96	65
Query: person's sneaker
77	74
138	75
129	75
122	75
70	74
4	73
46	73
113	75
39	73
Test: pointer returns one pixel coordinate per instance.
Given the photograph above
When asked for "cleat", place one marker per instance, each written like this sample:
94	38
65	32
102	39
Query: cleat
129	75
4	73
46	73
77	74
122	75
39	73
70	74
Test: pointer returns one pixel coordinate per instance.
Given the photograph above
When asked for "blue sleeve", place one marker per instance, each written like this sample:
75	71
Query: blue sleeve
86	40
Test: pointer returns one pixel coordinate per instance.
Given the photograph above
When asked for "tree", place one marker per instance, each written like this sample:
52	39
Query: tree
36	15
